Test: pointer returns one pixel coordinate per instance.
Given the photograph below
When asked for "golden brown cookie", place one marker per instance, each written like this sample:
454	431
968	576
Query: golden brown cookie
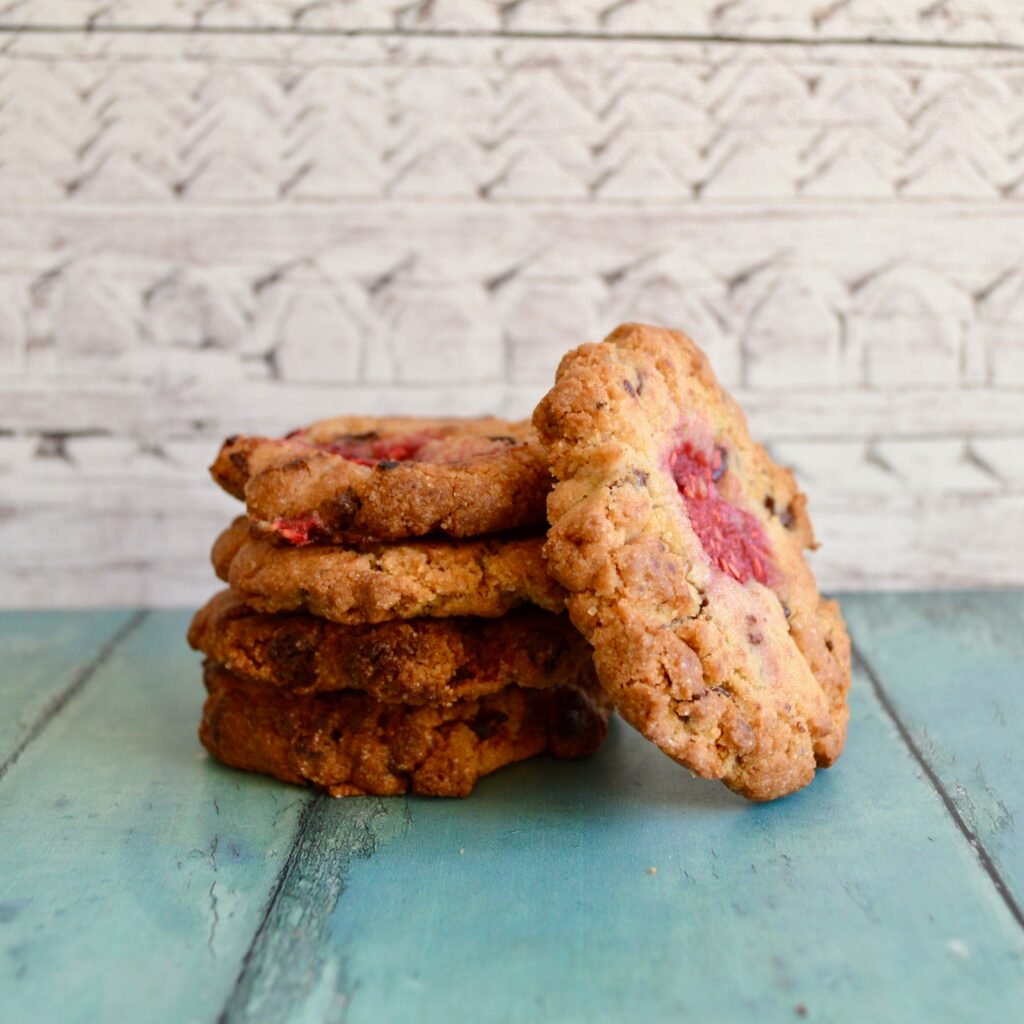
351	744
681	544
377	582
358	478
411	661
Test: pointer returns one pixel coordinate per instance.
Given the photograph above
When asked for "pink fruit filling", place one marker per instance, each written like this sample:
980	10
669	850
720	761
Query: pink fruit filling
430	445
370	449
732	538
298	530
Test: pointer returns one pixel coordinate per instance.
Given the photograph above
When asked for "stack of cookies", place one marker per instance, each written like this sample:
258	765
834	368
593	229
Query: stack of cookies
396	616
390	623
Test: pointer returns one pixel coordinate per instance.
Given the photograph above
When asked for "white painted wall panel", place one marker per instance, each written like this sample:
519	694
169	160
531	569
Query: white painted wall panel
223	217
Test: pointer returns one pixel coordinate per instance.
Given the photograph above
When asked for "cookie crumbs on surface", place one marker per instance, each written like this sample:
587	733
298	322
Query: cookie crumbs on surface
652	871
800	1010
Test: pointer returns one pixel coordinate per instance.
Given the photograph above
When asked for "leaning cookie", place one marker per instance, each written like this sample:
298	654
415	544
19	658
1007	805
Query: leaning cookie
361	478
680	542
377	582
411	661
351	744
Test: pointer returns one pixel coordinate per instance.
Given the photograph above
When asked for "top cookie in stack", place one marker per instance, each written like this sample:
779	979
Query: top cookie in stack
356	478
374	567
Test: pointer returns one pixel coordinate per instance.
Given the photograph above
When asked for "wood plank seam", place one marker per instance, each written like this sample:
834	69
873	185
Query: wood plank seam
235	999
984	858
529	35
61	699
330	835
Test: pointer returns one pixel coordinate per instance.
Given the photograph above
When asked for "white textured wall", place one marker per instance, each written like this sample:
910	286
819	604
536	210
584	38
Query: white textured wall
233	216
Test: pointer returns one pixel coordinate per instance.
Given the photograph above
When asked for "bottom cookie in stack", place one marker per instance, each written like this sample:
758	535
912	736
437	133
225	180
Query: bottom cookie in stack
427	705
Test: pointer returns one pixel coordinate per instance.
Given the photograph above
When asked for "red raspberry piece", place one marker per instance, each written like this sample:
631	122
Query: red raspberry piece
299	530
732	537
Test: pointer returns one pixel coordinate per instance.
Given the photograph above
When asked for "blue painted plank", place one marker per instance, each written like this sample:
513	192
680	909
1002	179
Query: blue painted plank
41	656
855	900
953	667
136	880
133	871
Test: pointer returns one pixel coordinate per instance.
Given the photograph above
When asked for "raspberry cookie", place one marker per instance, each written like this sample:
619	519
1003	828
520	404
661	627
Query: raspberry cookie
351	744
360	478
681	544
377	582
412	661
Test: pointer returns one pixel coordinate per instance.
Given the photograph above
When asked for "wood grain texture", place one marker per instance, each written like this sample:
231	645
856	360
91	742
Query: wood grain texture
46	660
219	217
856	899
139	879
133	874
289	964
953	667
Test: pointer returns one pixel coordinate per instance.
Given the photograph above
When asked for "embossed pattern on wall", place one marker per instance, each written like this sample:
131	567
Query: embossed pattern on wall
974	22
221	217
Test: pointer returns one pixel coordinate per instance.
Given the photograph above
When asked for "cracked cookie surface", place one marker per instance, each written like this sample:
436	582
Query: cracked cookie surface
412	661
378	582
681	545
351	744
357	478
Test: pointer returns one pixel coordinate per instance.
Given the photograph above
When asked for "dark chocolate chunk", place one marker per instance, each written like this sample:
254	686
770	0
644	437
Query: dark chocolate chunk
485	725
338	513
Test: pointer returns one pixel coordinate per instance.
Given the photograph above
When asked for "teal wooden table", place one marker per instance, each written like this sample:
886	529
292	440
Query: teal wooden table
139	881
